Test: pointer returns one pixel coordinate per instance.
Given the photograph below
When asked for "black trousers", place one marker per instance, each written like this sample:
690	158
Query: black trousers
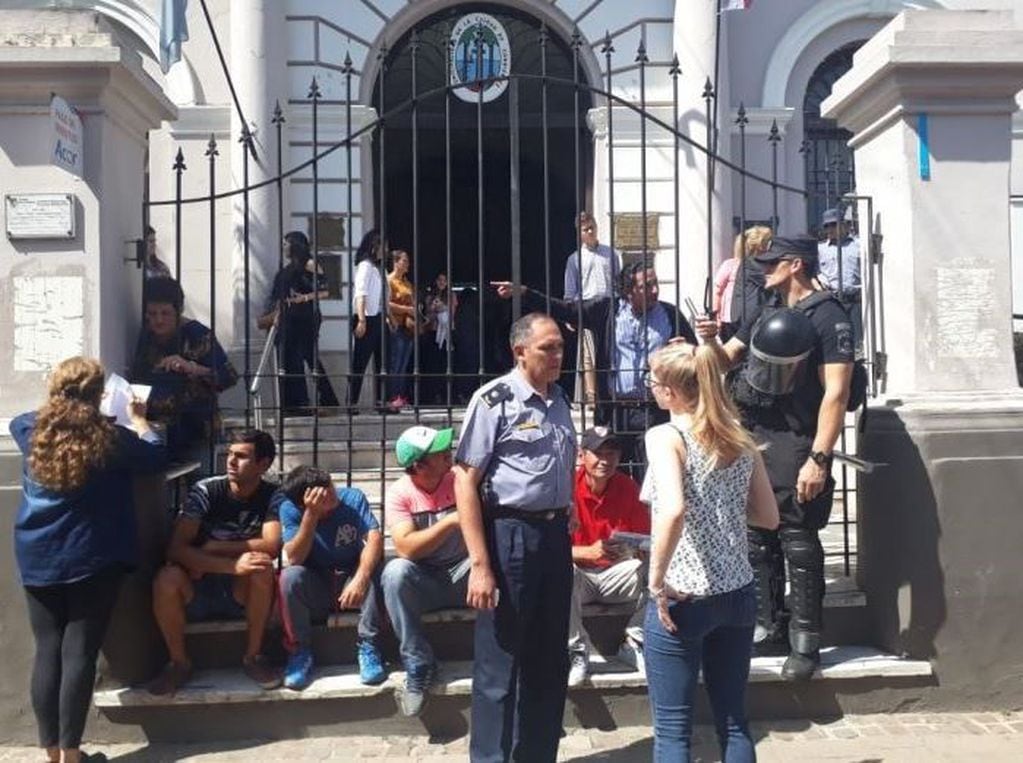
520	663
297	353
68	622
362	350
796	541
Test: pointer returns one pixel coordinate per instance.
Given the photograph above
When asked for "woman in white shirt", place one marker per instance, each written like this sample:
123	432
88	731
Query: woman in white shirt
367	296
706	481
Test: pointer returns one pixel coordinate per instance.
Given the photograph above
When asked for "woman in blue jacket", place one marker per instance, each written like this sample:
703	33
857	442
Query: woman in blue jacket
74	538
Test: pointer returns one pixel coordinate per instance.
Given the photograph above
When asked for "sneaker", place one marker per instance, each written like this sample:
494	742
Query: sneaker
173	676
579	670
417	683
259	669
298	673
371	664
631	653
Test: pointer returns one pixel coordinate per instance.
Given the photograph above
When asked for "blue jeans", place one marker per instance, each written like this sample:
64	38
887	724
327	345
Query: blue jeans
308	594
400	352
410	590
717	633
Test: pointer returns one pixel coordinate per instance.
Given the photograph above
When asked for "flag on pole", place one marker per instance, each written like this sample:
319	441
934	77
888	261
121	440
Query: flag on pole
173	31
736	5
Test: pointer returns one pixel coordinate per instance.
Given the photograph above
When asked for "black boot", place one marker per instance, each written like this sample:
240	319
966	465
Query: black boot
770	636
806	576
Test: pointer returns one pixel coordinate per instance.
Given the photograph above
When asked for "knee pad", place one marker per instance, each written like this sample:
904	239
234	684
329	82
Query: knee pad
802	548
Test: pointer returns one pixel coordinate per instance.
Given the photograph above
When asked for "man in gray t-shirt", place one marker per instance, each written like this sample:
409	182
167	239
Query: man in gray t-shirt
432	567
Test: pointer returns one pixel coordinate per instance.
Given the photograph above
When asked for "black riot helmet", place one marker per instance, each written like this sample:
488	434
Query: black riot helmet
782	341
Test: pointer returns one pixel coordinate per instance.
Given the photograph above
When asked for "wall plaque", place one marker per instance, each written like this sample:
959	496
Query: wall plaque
40	215
628	234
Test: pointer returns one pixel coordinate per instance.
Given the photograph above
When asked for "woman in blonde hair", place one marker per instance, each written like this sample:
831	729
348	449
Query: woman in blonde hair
74	537
742	270
706	481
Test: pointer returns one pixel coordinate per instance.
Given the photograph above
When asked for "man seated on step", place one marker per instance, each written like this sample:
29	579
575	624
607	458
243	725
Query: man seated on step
333	549
606	572
432	568
220	561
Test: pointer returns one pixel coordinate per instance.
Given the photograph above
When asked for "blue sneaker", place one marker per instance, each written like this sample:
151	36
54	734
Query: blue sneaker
417	684
371	664
298	673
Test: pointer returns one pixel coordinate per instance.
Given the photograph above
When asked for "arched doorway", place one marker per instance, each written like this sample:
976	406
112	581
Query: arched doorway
512	155
830	171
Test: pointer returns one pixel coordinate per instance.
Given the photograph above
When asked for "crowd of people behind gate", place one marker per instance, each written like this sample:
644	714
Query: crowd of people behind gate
519	521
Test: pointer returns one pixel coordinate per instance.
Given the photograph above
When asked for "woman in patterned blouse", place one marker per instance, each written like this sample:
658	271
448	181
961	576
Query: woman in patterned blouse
706	481
187	369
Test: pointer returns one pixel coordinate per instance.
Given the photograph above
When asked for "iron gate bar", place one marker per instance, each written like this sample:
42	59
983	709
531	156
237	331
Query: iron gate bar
382	381
607	50
479	196
278	121
448	255
642	60
741	121
211	154
708	99
773	137
577	42
546	170
414	45
314	95
514	182
349	408
179	167
245	139
675	71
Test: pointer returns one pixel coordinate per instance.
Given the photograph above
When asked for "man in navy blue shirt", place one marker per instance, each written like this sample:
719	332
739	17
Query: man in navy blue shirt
220	561
334	548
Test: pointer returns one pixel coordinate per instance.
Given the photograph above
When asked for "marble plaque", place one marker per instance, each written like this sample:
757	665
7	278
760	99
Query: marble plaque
40	215
964	321
49	323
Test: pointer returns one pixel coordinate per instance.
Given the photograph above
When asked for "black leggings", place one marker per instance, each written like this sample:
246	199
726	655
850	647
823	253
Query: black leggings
68	622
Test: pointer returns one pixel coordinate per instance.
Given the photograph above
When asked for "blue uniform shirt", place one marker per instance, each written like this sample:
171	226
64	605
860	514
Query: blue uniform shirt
524	445
827	256
339	537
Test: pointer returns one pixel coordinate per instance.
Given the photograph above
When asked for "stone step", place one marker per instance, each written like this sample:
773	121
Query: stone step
230	686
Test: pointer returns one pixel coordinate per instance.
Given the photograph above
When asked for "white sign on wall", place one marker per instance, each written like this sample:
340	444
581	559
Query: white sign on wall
494	59
40	215
66	144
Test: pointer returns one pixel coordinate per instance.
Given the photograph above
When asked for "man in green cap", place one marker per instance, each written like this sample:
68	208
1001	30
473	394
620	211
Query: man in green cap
432	567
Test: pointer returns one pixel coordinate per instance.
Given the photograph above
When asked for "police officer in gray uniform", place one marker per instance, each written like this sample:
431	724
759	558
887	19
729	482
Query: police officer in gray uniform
513	488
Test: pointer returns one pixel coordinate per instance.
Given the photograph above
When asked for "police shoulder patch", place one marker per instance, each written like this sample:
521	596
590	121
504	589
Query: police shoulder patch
497	394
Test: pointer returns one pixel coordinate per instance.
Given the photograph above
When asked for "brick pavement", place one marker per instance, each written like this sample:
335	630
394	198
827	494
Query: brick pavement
902	738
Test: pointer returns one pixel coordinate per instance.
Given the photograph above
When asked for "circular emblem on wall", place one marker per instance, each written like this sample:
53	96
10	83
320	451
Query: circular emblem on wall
471	62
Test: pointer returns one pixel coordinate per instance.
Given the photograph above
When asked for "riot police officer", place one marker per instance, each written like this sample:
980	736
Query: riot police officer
792	394
513	487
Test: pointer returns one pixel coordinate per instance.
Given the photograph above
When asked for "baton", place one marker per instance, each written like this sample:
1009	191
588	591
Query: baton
854	462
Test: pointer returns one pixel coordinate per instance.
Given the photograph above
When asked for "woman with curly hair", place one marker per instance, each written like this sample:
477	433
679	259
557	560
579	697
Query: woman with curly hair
706	481
74	538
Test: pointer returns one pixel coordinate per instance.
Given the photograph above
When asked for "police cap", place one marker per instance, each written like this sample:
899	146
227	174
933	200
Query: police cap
799	248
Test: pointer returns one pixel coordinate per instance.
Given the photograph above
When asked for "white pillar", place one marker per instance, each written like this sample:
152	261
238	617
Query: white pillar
257	61
947	265
694	43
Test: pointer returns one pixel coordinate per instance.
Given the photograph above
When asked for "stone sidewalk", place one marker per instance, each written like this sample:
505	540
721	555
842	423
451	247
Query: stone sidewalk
903	738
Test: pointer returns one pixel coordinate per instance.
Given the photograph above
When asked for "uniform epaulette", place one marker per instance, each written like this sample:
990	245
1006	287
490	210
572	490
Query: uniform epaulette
497	394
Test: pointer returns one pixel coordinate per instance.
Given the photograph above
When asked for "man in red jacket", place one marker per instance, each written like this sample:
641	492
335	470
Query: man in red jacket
606	571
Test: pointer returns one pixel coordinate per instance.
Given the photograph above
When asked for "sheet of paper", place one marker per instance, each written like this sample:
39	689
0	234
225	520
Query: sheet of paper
117	394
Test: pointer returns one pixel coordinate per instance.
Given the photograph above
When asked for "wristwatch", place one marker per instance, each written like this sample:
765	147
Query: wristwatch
820	458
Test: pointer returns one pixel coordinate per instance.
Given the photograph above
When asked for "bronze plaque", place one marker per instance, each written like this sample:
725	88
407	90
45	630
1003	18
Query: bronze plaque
331	230
628	233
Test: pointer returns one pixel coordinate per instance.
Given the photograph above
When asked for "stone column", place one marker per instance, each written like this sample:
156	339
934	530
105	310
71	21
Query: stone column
694	43
258	47
78	295
929	100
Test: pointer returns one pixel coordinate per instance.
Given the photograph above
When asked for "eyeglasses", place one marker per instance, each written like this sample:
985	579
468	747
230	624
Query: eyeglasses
650	381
